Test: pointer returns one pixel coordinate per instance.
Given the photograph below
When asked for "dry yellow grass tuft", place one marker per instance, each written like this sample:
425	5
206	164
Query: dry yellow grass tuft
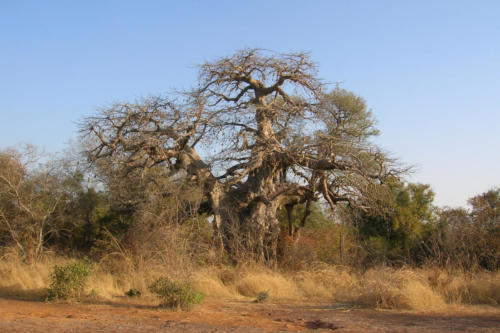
396	289
209	281
323	281
460	288
279	286
25	280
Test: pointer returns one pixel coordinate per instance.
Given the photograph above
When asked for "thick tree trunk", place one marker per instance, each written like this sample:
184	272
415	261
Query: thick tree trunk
245	224
263	229
249	234
215	199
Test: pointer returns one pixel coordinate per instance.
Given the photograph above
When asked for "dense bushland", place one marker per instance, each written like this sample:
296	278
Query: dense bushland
65	209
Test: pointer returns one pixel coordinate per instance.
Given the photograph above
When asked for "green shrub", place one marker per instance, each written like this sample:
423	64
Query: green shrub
176	294
262	296
133	292
68	281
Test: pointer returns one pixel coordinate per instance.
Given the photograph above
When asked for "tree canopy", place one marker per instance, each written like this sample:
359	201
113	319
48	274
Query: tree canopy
261	131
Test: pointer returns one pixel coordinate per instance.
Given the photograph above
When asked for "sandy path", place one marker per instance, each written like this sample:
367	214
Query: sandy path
230	316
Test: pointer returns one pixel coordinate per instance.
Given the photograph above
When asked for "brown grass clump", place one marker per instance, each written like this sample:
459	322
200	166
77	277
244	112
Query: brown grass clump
460	288
255	280
324	281
25	280
485	289
209	281
396	289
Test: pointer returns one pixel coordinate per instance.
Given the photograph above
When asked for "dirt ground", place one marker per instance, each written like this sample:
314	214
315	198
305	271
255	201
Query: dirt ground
231	316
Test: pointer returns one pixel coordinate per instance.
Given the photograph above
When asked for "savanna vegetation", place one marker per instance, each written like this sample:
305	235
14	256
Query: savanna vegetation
260	180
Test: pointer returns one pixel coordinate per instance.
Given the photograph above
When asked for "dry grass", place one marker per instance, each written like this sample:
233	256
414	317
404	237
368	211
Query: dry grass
458	288
24	280
253	280
410	289
396	289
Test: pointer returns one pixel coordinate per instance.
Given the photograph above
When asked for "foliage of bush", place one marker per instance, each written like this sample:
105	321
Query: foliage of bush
133	292
176	294
262	296
68	281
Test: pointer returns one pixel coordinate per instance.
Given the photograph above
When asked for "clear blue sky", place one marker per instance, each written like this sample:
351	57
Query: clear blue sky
430	70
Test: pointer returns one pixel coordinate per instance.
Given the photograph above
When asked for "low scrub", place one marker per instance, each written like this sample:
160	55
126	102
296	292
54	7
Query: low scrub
68	281
133	292
176	294
262	297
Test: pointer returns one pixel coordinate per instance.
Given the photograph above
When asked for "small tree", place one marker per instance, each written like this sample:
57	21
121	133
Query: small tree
468	239
68	281
29	198
392	233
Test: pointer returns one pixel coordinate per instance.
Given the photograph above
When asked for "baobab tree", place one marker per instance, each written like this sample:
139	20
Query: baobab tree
260	132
